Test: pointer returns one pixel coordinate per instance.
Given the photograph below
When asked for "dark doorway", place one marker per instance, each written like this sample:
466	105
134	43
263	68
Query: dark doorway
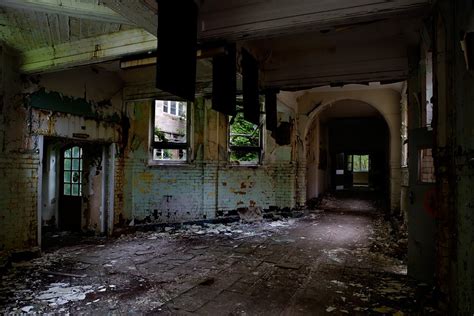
70	191
360	147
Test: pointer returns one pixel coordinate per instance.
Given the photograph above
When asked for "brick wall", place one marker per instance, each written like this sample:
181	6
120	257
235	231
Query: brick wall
18	200
201	189
19	163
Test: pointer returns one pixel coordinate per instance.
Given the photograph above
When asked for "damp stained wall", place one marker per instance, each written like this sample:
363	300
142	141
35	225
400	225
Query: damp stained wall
19	163
76	107
208	186
58	108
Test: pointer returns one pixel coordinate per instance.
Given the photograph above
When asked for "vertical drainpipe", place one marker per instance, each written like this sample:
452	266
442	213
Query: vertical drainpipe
103	200
218	165
204	139
110	208
40	187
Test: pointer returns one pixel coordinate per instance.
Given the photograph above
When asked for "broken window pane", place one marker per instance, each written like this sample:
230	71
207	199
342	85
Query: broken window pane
72	173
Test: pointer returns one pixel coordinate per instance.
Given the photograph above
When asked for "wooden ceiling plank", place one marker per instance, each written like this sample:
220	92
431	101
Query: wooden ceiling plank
257	19
64	31
74	28
87	11
135	11
88	51
54	28
42	22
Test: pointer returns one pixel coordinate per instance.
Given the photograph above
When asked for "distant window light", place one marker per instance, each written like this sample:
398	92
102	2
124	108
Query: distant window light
72	182
173	108
358	163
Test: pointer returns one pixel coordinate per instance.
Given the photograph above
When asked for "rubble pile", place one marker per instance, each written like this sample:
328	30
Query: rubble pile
235	230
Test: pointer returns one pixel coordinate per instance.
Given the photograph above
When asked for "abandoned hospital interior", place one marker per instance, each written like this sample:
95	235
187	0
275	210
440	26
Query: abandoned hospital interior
237	157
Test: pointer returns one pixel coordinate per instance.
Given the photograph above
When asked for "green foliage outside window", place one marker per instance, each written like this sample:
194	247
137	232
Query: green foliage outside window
360	163
160	135
245	134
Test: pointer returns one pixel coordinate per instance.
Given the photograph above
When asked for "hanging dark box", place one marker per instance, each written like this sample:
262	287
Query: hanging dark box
177	45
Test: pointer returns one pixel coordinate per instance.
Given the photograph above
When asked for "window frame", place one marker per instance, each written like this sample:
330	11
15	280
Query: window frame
248	149
351	161
71	170
153	144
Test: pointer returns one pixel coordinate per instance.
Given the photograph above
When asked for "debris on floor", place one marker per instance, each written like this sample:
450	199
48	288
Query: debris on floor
324	262
62	293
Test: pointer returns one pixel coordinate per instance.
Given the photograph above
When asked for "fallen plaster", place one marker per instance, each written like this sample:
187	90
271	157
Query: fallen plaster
266	267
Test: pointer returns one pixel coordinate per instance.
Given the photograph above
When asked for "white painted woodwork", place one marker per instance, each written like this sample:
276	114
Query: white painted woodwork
73	8
244	19
88	51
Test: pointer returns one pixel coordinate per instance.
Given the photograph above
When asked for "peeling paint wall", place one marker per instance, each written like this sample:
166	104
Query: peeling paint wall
454	157
19	163
31	117
81	107
208	186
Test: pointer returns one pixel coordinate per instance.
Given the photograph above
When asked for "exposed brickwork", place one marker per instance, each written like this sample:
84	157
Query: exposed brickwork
204	190
19	186
427	171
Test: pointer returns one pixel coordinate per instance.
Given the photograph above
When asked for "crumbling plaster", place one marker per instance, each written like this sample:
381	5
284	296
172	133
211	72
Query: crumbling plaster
208	185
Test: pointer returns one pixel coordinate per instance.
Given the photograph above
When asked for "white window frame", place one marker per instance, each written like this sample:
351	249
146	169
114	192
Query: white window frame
153	144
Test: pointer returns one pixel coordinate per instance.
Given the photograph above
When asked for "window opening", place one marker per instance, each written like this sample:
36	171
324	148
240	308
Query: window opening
245	138
358	163
429	90
170	129
72	182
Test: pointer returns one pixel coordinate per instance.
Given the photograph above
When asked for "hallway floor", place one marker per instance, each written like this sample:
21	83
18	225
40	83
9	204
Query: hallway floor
335	262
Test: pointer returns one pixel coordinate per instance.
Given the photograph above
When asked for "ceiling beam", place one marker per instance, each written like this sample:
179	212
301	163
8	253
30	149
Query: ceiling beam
253	19
342	63
137	11
73	8
88	51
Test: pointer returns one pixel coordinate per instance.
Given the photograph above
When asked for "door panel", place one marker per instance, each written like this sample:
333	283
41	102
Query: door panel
70	197
421	206
340	168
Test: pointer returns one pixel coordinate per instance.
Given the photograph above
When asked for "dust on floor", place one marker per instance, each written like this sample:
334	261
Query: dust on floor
335	261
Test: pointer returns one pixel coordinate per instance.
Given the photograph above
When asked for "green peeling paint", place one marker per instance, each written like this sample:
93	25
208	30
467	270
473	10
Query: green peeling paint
57	102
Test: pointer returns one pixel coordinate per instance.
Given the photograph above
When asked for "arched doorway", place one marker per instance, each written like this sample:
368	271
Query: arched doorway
348	145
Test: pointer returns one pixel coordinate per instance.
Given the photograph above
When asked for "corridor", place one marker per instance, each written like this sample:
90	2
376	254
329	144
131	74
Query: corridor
339	258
